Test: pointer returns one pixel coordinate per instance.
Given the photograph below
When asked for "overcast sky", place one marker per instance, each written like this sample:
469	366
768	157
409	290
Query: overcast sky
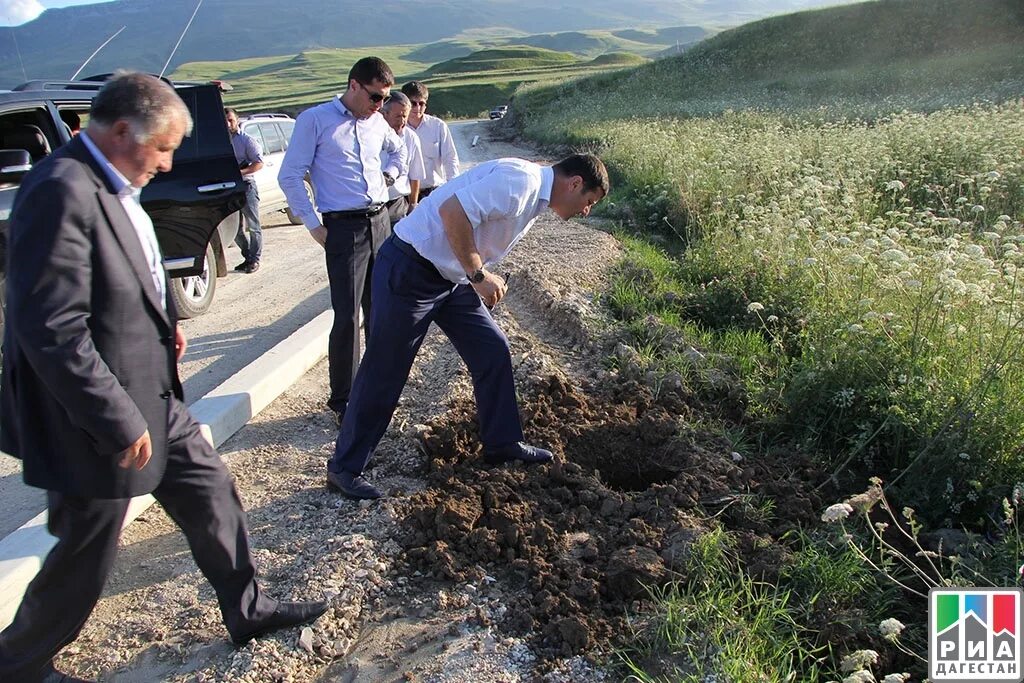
15	12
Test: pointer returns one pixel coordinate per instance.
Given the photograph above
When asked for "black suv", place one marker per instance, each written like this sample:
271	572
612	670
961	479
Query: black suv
194	206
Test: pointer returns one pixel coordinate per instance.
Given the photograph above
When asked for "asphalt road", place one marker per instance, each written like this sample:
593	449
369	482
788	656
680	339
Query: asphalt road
250	315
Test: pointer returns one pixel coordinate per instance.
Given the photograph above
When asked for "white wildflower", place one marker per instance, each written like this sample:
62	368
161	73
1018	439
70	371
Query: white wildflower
896	678
861	659
860	677
895	185
755	307
891	629
894	255
974	250
835	513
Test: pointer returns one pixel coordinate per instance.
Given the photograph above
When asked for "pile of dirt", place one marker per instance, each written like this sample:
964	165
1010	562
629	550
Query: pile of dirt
578	542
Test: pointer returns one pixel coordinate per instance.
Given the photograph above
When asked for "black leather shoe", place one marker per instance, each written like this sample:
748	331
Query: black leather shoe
251	267
240	268
287	614
353	486
516	451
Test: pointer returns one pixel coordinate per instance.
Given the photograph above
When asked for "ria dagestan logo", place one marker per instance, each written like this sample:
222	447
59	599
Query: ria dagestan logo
974	634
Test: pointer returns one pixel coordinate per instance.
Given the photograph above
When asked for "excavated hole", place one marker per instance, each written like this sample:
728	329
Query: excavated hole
627	457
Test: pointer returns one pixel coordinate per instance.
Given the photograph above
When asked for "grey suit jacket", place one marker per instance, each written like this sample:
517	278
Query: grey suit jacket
88	349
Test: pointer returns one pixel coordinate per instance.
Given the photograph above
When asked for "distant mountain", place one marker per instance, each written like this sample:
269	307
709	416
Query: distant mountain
55	44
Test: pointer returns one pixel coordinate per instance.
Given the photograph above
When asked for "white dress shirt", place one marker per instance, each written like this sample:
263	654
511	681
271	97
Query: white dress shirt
342	154
440	159
402	188
129	197
501	198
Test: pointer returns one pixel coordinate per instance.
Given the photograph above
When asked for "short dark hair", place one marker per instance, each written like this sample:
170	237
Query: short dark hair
588	167
416	89
230	110
370	69
397	99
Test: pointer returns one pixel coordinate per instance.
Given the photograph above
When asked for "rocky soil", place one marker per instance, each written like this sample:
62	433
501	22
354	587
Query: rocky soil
463	572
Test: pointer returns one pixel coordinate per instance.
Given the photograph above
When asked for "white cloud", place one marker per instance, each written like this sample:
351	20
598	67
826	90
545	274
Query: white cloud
15	12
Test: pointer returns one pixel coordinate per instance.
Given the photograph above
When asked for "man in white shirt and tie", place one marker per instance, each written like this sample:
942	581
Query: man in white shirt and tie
352	156
435	268
440	159
405	193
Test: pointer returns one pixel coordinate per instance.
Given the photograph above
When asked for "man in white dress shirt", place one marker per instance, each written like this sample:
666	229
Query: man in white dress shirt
352	155
440	159
405	193
434	268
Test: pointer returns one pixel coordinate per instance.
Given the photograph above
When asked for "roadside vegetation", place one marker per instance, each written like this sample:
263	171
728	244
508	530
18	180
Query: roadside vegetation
827	207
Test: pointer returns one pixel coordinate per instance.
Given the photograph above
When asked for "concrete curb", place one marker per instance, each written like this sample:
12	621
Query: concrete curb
221	413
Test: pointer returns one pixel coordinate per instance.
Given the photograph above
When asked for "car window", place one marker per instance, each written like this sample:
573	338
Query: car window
274	141
29	128
253	131
286	129
209	136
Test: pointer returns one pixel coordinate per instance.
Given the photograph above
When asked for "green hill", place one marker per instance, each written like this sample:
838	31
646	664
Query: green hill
865	59
504	59
618	59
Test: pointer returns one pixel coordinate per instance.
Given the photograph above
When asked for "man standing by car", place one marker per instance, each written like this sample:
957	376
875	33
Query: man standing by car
340	144
405	193
434	269
440	159
250	159
90	398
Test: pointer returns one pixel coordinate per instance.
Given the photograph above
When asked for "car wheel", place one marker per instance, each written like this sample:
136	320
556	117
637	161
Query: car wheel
194	295
292	218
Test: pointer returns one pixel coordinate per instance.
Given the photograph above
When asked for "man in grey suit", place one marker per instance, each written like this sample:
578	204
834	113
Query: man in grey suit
90	398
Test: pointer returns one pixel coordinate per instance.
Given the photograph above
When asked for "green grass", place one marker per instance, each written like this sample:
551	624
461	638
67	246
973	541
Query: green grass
716	622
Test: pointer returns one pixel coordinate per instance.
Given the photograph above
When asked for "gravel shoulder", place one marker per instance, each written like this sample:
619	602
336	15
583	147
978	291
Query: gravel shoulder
389	621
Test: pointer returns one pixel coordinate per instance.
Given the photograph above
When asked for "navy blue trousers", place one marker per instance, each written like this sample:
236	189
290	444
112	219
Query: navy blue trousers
408	295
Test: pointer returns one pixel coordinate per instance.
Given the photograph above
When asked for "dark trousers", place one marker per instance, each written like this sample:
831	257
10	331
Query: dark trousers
408	295
351	248
252	247
398	208
197	492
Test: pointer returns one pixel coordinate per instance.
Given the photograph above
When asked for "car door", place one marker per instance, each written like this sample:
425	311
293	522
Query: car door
203	187
273	155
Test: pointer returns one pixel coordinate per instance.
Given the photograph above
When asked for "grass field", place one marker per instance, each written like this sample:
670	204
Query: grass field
829	206
467	76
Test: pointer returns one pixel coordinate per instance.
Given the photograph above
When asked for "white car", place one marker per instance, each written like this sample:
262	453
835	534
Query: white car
272	132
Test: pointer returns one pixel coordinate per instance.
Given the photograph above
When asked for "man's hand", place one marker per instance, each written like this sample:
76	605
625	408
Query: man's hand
320	235
491	289
138	454
179	343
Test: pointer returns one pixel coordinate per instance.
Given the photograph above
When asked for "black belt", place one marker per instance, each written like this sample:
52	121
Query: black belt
368	212
391	202
424	191
410	251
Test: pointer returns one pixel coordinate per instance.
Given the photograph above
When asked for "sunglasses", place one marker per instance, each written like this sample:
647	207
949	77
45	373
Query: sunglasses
419	103
375	97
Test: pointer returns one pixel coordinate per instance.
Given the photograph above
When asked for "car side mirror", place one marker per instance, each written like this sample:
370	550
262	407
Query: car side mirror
14	163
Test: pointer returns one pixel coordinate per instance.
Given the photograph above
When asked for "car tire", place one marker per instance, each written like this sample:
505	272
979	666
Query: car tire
292	218
193	296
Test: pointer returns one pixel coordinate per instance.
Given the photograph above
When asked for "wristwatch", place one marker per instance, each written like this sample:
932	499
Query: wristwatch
388	180
477	276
